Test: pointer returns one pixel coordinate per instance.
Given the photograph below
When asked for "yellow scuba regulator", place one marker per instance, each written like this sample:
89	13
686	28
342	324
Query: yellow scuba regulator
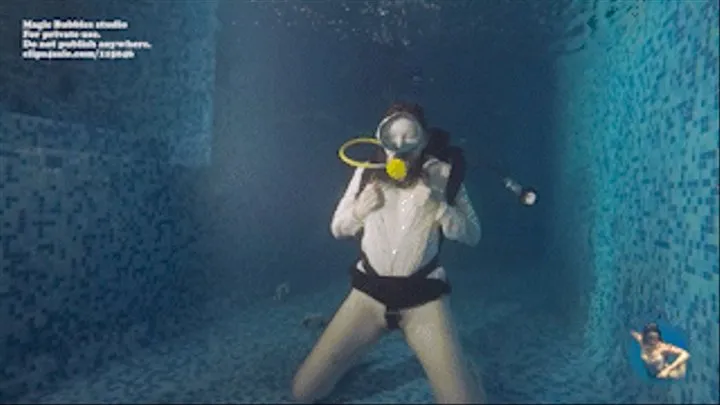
395	168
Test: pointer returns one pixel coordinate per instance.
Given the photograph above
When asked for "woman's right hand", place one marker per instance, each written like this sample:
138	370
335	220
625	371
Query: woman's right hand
369	200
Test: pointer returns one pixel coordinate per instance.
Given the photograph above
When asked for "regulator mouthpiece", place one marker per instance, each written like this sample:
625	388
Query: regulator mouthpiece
396	169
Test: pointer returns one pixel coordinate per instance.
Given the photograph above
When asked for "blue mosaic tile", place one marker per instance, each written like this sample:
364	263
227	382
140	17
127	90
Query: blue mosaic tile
94	201
651	132
245	358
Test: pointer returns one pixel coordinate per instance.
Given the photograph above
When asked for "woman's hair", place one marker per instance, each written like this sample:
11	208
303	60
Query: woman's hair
413	109
651	328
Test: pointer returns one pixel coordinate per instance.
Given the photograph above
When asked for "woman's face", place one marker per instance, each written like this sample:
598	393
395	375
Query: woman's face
401	135
651	339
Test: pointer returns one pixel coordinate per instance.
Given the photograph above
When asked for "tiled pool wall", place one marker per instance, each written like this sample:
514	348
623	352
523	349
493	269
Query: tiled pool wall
99	167
637	177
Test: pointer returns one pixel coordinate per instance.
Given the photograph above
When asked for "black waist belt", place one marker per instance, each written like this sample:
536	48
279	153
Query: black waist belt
398	293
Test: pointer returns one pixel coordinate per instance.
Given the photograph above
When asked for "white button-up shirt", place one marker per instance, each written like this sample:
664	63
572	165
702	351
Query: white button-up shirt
404	234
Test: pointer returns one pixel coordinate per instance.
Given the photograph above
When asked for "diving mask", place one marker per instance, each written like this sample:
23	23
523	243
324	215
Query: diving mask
401	135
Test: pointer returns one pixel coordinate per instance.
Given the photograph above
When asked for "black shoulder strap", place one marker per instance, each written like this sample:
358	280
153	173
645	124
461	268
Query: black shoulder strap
456	159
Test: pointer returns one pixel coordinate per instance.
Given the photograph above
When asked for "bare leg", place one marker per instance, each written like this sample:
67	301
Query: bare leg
357	324
430	333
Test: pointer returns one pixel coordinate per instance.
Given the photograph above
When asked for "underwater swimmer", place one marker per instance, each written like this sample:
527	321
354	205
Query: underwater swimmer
655	353
398	283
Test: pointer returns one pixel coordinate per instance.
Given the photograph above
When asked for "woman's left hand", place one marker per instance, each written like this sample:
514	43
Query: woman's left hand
664	373
436	178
